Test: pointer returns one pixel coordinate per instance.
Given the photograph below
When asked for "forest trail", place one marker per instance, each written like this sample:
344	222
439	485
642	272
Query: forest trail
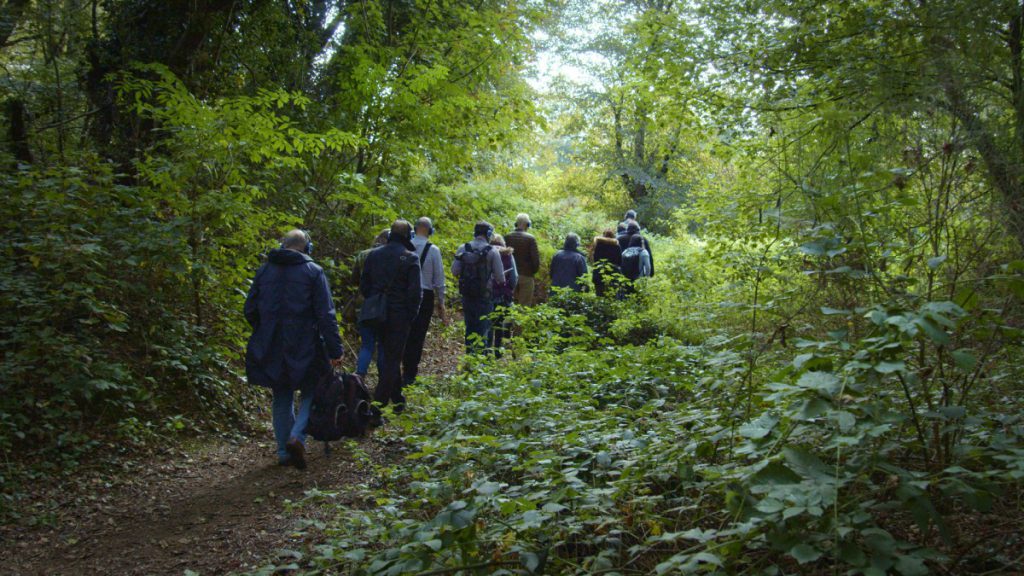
222	508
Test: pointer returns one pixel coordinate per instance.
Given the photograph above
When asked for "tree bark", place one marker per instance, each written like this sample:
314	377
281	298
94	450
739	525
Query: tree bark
17	120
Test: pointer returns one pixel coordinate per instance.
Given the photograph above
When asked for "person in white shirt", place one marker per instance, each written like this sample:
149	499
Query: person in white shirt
432	282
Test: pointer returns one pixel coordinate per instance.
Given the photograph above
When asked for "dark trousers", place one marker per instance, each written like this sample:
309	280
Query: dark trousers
389	359
478	327
417	338
500	329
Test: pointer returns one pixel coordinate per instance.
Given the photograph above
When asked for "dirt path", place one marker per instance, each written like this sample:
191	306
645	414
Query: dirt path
216	510
220	510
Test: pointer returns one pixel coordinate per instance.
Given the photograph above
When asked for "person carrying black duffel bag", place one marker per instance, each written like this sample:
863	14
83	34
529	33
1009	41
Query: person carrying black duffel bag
342	408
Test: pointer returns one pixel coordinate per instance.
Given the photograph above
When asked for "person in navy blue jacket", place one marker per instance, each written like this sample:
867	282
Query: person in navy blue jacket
295	339
394	270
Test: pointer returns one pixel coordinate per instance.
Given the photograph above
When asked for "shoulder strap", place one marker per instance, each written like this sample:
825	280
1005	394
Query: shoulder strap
426	250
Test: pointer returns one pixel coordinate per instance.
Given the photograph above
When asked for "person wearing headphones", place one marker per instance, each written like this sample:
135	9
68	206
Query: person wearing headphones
432	283
393	270
527	257
295	339
478	267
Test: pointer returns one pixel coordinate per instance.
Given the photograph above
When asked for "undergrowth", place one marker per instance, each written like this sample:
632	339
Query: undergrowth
578	453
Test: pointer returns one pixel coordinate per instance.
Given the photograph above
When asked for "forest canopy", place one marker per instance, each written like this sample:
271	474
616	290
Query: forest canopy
824	373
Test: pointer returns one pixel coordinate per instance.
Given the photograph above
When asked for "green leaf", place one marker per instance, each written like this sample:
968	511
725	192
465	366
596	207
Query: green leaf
824	382
530	560
937	261
964	360
807	464
886	367
804	553
911	566
488	488
936	334
435	544
758	428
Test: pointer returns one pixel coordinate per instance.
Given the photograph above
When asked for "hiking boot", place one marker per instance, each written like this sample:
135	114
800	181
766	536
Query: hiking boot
296	453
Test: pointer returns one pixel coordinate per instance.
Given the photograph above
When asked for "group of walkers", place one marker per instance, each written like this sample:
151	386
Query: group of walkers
401	286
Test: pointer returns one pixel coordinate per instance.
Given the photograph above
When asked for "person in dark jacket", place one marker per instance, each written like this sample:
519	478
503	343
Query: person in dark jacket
633	229
527	257
568	265
606	257
295	338
629	217
394	270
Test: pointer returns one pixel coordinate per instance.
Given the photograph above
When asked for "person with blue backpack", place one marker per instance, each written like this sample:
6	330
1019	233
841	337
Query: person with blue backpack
636	263
478	268
295	339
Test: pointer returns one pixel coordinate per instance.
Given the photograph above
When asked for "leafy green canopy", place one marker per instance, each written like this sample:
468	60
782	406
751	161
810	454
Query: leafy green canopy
154	149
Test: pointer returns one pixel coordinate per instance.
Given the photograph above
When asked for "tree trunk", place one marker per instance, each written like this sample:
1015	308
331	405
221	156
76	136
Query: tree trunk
17	120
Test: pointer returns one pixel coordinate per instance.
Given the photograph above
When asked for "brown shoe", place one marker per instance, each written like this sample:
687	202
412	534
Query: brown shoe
297	453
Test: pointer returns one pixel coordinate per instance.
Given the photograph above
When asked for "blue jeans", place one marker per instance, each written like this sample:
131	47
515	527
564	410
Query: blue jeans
286	424
368	337
478	326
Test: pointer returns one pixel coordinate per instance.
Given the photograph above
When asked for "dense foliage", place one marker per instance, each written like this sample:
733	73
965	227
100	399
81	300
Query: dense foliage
823	375
154	149
585	454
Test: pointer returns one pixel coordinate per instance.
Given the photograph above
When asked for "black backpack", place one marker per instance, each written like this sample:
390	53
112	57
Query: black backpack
631	262
475	275
341	408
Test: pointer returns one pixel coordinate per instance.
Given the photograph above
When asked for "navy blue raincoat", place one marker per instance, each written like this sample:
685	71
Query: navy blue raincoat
295	329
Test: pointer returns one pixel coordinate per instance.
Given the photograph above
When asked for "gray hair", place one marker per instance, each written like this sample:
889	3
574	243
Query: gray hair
523	221
295	240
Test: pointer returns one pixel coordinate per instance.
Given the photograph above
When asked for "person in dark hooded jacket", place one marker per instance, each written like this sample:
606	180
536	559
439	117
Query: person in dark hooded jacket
295	338
568	265
607	257
394	269
633	229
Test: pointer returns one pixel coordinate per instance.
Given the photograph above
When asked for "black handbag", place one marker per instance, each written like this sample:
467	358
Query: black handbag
374	312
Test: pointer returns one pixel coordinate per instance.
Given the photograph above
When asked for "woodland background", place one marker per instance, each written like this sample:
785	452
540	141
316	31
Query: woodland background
825	371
